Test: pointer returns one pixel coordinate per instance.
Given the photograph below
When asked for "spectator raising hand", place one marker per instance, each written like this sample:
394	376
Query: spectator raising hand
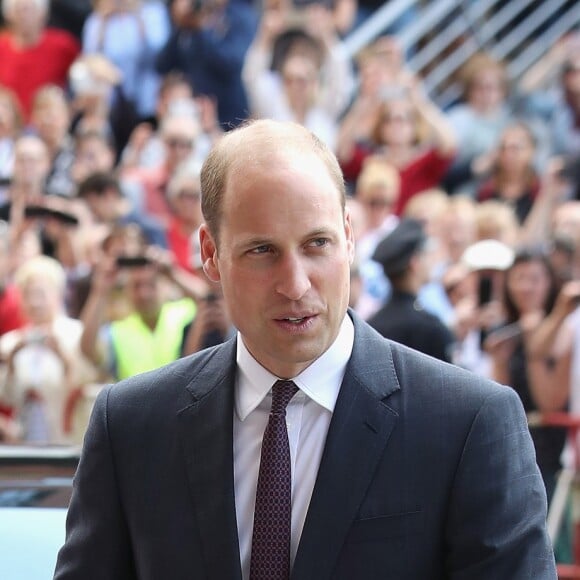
529	294
553	341
151	335
43	359
311	84
208	45
130	34
411	133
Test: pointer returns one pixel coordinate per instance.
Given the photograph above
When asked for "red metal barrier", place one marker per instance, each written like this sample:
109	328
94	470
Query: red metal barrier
572	423
568	572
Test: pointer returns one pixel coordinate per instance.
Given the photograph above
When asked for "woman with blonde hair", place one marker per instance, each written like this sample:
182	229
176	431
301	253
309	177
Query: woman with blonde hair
411	134
496	221
43	365
377	191
513	179
478	120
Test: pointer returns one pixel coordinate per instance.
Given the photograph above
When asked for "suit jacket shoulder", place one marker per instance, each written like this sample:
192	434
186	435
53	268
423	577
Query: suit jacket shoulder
177	384
437	491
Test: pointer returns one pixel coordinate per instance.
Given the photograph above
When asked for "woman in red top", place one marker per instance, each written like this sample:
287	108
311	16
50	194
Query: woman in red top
184	197
410	133
32	55
513	179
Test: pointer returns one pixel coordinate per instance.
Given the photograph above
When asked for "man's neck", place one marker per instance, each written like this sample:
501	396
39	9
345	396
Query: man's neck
150	319
408	285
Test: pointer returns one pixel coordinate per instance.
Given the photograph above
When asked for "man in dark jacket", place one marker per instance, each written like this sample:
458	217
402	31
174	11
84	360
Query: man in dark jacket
208	44
403	319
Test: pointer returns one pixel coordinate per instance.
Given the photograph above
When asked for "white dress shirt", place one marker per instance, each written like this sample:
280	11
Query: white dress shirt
308	417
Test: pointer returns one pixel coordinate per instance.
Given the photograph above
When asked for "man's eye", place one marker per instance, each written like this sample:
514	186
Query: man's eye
260	250
319	242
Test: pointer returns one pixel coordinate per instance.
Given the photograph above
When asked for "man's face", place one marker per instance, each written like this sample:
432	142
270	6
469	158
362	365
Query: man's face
92	155
179	140
378	202
283	262
186	203
143	290
102	205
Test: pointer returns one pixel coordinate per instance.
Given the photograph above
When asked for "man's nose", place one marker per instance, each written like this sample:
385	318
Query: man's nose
293	279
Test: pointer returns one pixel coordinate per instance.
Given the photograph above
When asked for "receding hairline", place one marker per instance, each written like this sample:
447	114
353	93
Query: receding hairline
287	135
259	144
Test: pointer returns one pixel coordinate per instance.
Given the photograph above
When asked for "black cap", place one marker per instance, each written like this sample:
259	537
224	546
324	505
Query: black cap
395	251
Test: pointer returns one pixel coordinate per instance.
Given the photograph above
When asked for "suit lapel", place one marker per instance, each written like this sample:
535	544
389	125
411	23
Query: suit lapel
206	434
360	428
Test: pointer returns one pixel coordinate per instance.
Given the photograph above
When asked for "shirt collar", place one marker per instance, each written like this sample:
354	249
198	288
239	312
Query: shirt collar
320	381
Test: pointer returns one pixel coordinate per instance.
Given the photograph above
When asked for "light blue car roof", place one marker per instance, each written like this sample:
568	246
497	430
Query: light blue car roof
35	486
30	539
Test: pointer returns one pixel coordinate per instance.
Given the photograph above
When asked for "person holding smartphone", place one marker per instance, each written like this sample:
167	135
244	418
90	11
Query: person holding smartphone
43	363
150	335
208	43
130	33
530	289
211	326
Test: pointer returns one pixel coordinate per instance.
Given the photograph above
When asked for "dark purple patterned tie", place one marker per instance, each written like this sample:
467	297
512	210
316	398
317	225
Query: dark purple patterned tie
273	513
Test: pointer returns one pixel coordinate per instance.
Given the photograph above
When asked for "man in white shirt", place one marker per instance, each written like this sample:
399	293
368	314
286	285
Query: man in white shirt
400	466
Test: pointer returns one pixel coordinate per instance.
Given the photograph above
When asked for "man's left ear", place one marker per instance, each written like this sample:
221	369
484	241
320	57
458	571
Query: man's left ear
209	255
349	235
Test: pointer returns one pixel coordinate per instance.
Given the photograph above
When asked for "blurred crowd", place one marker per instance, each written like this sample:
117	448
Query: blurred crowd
467	219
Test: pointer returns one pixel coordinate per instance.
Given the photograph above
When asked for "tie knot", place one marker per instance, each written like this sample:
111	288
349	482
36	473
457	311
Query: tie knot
282	392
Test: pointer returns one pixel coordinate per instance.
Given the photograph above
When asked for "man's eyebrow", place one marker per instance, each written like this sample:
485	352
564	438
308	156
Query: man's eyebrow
254	242
320	232
264	241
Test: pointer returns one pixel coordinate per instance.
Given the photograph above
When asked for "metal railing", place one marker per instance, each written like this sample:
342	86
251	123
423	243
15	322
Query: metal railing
448	32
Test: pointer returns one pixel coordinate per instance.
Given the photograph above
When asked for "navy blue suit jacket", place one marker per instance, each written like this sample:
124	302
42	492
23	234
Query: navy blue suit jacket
428	473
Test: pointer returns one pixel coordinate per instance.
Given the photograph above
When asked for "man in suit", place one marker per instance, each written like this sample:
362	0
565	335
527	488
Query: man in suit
399	466
404	256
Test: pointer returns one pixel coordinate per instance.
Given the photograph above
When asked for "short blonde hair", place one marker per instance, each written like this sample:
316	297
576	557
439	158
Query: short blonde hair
463	204
496	220
48	269
378	174
433	202
252	141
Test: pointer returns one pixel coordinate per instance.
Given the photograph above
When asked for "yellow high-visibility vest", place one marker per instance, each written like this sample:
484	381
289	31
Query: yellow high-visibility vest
139	349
